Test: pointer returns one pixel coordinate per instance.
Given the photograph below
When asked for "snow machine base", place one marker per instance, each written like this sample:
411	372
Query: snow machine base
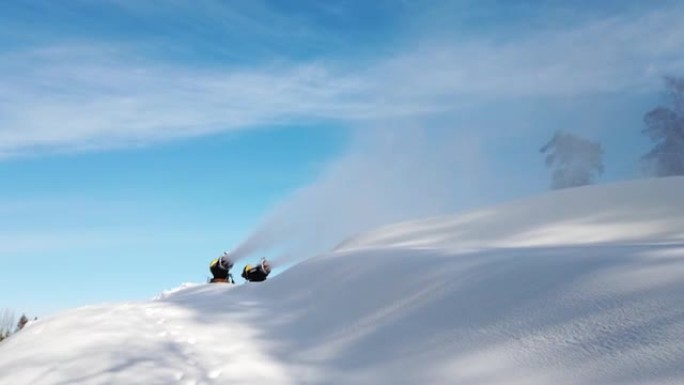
219	280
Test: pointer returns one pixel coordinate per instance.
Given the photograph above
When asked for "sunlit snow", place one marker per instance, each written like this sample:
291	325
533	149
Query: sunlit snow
580	286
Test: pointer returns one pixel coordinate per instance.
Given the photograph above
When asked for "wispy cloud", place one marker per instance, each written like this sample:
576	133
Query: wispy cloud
615	54
79	96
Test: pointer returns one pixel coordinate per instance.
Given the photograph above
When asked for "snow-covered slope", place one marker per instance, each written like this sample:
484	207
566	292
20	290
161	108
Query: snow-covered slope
645	211
582	286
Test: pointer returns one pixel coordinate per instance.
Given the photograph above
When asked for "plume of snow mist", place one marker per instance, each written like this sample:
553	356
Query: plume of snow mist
388	175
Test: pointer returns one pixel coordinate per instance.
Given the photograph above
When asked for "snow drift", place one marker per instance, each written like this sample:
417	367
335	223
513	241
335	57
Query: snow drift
580	286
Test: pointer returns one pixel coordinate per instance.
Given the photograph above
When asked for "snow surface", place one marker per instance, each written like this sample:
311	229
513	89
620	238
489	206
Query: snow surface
581	286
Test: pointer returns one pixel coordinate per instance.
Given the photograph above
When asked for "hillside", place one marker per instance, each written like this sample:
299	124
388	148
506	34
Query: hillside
581	286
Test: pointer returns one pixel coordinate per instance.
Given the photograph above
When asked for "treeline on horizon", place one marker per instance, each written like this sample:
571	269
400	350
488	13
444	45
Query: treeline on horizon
575	161
7	325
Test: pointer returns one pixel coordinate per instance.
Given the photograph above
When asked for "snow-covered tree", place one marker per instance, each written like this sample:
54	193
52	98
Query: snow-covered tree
575	161
665	127
6	323
23	320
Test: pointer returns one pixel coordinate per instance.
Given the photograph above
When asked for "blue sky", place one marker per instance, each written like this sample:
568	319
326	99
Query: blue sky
139	139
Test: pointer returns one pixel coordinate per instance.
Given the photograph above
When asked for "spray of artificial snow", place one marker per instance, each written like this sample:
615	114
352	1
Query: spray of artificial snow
388	175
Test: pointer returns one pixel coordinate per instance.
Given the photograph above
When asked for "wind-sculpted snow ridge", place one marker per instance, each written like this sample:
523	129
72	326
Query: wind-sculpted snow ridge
417	303
643	211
